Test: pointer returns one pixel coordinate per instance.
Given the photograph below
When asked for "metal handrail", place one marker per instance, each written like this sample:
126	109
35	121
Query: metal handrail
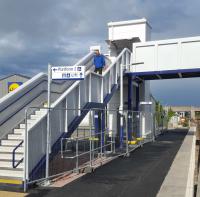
13	155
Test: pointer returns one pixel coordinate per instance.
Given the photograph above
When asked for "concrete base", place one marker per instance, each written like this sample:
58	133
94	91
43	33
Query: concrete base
180	178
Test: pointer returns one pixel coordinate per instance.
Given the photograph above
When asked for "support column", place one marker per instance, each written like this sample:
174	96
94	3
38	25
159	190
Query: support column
97	120
129	117
121	106
137	98
137	110
103	130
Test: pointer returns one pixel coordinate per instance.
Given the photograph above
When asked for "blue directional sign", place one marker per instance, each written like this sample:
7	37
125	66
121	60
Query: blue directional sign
68	72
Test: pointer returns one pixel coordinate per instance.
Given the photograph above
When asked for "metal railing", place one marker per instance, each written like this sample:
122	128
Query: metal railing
13	155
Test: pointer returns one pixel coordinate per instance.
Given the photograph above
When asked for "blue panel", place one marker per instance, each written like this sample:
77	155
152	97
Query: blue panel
164	72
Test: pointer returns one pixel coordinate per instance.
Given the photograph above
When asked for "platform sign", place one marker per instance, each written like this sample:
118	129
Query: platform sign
68	73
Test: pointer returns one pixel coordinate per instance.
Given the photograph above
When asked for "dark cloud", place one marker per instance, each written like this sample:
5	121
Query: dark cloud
34	33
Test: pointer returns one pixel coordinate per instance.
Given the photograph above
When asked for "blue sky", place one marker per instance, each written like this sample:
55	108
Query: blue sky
34	33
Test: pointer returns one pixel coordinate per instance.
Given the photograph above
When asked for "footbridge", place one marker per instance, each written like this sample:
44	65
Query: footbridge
166	59
123	86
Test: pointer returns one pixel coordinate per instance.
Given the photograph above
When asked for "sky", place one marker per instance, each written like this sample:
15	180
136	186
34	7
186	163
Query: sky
34	33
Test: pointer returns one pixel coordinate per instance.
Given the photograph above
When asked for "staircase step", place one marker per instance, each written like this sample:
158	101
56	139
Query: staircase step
41	112
8	164
15	137
10	172
19	131
30	121
10	142
35	117
8	156
9	149
22	126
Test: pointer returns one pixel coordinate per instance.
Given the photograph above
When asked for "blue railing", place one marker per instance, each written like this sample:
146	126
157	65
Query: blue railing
13	155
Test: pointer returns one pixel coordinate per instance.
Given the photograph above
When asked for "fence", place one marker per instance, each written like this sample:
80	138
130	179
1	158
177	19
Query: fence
84	138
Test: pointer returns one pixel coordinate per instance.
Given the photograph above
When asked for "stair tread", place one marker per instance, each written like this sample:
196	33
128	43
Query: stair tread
14	134
9	160
14	169
12	140
17	153
11	177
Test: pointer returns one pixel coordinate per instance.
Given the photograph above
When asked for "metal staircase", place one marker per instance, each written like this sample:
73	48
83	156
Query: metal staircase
21	154
12	151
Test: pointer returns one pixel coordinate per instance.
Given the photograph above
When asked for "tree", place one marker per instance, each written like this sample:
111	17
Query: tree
170	114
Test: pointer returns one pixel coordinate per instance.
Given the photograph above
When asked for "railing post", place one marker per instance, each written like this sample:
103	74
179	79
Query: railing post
48	124
26	175
79	100
90	87
127	119
116	69
77	171
102	86
109	82
121	105
90	122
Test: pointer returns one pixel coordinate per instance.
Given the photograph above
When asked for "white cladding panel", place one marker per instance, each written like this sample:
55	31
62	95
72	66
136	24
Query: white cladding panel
190	54
129	29
127	32
144	54
167	58
163	55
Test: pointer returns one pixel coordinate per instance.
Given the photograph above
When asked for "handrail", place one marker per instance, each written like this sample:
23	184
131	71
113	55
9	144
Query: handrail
87	73
117	59
21	88
13	155
76	83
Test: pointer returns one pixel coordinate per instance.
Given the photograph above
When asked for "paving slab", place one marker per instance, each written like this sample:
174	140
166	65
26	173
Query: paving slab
180	179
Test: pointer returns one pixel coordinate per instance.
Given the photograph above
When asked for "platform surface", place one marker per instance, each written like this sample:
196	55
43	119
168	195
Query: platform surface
142	174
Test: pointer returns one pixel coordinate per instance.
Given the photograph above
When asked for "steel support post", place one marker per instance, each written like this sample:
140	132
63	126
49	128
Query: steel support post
26	174
103	130
137	109
121	106
48	123
96	122
90	121
130	90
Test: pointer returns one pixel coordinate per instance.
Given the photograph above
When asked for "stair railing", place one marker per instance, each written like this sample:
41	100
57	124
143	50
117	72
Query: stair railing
93	88
13	155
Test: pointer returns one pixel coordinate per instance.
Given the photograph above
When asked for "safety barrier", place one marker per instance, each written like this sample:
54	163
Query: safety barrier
87	146
95	90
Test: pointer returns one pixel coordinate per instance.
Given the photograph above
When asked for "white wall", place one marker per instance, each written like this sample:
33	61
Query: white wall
129	29
183	53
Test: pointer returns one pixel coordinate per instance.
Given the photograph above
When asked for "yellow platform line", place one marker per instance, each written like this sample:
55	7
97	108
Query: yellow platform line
11	181
12	194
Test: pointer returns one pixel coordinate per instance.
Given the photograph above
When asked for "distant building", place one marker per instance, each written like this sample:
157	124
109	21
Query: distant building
11	82
184	111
